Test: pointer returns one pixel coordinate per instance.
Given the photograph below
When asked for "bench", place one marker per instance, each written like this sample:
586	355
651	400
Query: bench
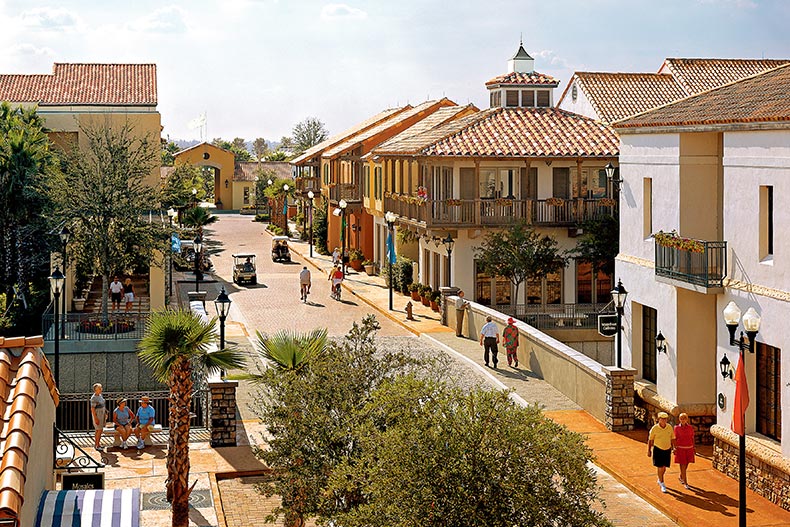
109	429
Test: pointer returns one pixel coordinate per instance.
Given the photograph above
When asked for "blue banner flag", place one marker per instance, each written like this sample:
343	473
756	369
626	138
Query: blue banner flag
390	248
285	206
175	243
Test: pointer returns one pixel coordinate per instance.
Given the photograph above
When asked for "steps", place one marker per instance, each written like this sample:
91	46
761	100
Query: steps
142	300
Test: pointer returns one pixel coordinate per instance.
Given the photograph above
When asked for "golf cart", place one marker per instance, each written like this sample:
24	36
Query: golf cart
244	269
280	251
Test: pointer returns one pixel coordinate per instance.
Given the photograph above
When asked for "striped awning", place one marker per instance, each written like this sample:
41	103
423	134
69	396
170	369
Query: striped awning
89	508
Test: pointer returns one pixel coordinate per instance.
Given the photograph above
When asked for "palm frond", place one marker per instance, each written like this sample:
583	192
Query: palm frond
289	350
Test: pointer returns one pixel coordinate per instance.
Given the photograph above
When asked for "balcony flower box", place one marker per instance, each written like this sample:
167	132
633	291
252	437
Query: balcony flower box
555	202
673	241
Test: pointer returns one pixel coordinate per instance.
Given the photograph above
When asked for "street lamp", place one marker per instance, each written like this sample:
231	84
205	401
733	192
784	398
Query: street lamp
390	218
310	196
609	169
198	246
65	233
56	283
343	204
751	323
449	243
171	213
618	296
194	197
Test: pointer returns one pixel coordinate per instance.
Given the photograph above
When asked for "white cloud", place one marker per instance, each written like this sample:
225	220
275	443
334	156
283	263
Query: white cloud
342	11
29	50
168	19
549	57
49	18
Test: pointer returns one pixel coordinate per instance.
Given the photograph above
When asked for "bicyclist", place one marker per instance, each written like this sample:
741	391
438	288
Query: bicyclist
336	276
304	282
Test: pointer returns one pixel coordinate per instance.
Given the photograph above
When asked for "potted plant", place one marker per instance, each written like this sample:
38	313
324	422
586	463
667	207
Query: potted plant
425	294
355	259
370	267
435	296
414	289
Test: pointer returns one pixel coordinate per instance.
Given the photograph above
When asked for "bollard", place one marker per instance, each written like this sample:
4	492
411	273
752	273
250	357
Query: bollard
409	315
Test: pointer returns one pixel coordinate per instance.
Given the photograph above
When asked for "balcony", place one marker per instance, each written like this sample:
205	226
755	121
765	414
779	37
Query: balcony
306	184
351	192
557	316
453	213
697	265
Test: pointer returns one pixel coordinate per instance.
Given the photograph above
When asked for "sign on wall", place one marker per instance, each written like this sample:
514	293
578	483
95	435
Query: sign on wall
607	325
93	481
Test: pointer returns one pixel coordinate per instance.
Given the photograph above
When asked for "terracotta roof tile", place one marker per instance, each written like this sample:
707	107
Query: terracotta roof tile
698	75
524	79
528	132
84	84
248	171
416	137
22	366
760	98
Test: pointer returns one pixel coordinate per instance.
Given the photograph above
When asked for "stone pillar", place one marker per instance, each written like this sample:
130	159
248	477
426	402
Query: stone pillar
620	398
446	291
222	412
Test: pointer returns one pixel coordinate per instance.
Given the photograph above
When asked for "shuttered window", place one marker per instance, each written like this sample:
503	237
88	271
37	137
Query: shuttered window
769	391
543	98
511	98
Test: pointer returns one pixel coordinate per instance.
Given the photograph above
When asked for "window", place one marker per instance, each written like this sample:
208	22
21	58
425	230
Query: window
366	181
326	173
769	403
496	99
511	99
592	289
246	195
766	222
377	182
546	290
561	184
647	207
543	99
528	98
497	183
485	285
649	323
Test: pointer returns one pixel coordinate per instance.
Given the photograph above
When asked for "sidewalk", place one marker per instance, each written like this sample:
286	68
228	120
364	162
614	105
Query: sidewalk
713	498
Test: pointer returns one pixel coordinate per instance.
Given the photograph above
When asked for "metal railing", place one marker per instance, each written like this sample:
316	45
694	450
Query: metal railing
92	326
74	414
553	316
351	192
706	268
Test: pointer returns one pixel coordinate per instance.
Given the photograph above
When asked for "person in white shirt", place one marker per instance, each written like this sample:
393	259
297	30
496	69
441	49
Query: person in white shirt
116	292
461	306
304	283
489	339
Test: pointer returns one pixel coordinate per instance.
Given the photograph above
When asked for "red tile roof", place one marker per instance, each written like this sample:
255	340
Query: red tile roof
248	170
420	135
760	98
528	132
84	84
22	365
698	75
525	79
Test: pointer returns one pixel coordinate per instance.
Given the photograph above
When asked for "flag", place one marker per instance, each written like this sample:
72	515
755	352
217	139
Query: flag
285	206
175	243
390	248
741	399
342	229
197	122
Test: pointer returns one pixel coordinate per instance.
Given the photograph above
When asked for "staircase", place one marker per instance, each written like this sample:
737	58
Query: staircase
142	299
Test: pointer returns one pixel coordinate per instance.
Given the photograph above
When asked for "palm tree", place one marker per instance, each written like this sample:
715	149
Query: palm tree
176	346
198	217
286	350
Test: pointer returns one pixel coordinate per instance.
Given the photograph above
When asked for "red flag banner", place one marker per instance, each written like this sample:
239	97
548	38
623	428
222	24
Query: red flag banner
741	399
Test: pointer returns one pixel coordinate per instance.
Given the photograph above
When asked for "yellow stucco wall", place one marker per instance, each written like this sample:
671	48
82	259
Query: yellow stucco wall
223	161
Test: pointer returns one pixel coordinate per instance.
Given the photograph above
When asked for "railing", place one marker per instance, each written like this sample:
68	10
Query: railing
350	192
69	456
304	184
74	413
706	268
497	212
553	316
92	326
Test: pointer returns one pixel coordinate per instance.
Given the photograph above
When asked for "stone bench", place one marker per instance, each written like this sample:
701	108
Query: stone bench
109	429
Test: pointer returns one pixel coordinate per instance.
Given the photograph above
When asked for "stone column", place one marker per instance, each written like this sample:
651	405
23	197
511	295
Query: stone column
222	412
620	398
447	291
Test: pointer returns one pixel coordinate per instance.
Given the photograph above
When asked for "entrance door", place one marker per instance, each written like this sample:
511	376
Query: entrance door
769	393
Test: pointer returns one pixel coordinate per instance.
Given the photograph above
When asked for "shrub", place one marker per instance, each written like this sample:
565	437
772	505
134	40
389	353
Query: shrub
356	254
263	217
414	287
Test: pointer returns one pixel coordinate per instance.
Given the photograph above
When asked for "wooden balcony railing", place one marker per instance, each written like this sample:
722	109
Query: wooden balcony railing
695	262
498	212
305	184
351	192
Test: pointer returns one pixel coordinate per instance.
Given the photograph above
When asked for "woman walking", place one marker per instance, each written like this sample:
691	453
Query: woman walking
684	447
98	415
128	294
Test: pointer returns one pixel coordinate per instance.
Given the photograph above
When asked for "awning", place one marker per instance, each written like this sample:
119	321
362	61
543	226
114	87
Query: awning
89	508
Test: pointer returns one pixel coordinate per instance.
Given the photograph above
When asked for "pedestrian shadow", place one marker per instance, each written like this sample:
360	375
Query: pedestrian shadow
516	373
707	500
314	304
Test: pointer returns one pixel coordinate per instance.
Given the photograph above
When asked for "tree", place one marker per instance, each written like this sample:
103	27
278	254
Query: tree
27	166
277	196
198	217
287	350
177	188
433	455
238	146
321	227
177	346
599	244
104	192
169	150
286	144
519	254
308	133
277	156
260	148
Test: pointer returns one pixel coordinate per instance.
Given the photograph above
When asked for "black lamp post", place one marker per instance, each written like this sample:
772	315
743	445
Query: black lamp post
449	243
171	213
310	196
390	218
616	181
198	246
65	233
751	322
222	304
618	295
343	204
56	283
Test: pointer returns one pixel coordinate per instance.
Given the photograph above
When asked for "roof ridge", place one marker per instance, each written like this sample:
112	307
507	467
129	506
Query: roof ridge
474	119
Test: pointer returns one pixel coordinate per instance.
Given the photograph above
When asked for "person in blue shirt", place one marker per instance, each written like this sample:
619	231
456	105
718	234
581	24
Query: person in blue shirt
145	421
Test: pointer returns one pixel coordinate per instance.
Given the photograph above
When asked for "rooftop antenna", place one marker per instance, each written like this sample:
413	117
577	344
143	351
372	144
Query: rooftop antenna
521	39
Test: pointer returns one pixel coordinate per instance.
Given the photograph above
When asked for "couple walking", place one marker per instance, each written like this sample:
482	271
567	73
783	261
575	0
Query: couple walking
489	339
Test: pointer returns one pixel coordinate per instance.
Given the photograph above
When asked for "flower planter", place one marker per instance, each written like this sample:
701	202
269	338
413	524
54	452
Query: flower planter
435	306
355	264
370	270
79	304
426	301
415	295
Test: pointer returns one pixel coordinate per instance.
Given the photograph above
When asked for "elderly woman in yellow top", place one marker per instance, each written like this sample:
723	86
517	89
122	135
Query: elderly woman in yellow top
662	442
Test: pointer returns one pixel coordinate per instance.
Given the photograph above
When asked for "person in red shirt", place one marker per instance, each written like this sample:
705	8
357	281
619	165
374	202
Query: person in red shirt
510	338
684	446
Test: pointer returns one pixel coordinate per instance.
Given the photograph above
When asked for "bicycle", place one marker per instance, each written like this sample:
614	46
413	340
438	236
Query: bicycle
336	291
305	290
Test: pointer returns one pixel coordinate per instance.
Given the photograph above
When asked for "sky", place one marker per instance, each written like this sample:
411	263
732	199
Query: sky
257	67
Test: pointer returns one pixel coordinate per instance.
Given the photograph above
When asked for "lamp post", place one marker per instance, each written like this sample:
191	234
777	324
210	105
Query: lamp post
310	196
194	197
618	295
343	204
56	283
198	246
222	304
390	218
171	213
449	243
751	323
65	233
616	181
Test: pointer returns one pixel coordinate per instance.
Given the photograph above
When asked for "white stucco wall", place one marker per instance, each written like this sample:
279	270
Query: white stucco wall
582	105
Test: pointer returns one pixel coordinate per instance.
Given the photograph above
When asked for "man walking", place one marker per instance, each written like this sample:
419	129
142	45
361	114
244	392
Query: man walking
304	283
660	444
116	292
489	338
461	306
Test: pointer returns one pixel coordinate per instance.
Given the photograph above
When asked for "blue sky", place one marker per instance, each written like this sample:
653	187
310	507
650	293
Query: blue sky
256	67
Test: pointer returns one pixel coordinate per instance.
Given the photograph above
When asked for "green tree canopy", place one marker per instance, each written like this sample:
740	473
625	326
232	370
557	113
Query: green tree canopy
308	133
169	150
198	217
177	188
519	254
260	148
599	244
238	146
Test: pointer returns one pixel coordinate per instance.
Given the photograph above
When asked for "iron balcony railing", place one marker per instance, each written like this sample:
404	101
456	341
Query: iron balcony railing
498	212
351	192
92	326
696	262
553	316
